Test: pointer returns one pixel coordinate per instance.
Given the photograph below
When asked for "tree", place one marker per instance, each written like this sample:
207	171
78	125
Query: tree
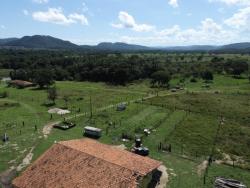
66	100
207	75
160	78
43	77
19	74
236	66
52	94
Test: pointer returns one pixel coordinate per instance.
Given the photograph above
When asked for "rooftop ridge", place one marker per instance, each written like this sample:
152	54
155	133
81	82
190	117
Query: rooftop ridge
141	171
124	179
103	159
98	164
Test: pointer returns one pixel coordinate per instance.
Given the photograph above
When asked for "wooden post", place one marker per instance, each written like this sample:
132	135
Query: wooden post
91	112
204	179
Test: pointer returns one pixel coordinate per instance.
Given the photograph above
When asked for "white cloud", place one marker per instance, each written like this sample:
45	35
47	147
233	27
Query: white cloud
170	31
240	20
25	12
208	32
128	21
40	1
56	16
173	3
143	28
233	2
210	26
79	17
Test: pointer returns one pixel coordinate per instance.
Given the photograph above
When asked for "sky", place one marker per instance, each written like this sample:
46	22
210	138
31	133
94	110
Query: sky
145	22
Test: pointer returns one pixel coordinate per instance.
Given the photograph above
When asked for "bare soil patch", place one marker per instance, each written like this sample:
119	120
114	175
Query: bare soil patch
164	177
202	167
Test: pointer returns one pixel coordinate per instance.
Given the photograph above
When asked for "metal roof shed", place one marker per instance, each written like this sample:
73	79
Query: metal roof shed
92	132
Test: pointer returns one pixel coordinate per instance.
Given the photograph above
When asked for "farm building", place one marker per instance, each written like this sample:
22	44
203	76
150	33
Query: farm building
20	83
89	164
92	132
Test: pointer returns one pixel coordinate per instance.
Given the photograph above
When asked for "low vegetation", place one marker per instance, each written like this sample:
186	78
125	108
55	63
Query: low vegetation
195	103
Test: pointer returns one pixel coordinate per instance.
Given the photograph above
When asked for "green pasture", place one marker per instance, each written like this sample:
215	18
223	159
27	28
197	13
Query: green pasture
188	120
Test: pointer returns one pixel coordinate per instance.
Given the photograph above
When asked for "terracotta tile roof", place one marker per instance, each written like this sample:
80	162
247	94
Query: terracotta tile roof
85	163
142	165
21	83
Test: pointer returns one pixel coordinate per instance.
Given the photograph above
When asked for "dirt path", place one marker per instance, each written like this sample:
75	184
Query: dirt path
26	160
202	167
48	127
164	177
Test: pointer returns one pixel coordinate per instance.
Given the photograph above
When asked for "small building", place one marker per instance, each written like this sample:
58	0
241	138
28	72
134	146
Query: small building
89	164
20	84
121	107
92	132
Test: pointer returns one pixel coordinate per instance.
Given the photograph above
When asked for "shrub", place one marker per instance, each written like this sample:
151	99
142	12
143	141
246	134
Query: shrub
49	103
193	80
4	94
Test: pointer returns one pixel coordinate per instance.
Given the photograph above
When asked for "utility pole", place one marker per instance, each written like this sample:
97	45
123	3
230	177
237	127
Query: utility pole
91	112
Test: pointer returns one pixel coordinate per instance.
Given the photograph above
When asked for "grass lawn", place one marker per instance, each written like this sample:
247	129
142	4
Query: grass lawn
186	120
26	106
224	170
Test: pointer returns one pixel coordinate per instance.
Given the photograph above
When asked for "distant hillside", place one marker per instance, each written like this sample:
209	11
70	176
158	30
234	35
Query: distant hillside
236	46
190	48
48	42
4	41
41	42
118	46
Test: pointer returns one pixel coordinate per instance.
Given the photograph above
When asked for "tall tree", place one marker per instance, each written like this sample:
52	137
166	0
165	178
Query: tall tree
161	78
207	75
43	77
52	94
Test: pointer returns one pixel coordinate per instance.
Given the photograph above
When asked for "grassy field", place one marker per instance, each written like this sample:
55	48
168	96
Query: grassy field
23	111
188	120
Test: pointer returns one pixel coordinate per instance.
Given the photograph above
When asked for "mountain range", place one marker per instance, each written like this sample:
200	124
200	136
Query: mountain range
51	43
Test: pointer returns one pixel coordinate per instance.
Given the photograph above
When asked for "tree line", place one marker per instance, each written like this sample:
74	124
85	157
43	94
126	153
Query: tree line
43	67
